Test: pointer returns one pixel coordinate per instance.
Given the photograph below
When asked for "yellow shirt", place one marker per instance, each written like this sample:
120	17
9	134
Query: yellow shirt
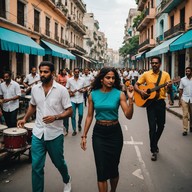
151	77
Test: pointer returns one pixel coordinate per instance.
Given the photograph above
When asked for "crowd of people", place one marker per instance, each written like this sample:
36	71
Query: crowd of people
56	98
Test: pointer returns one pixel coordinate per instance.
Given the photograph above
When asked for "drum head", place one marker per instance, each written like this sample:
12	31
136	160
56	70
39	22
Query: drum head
27	96
2	127
29	125
14	131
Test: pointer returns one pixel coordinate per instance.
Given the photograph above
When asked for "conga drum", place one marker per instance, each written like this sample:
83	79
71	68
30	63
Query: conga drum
2	127
15	139
29	127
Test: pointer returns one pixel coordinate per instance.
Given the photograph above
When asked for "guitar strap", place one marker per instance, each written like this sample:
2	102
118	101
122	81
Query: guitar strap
158	80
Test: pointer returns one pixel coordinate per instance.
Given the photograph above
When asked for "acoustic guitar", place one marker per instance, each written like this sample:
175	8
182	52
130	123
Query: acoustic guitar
151	90
72	93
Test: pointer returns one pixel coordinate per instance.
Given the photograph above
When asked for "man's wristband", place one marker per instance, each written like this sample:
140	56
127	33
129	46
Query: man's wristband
56	117
84	136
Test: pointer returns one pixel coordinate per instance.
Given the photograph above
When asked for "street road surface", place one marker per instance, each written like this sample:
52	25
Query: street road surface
172	172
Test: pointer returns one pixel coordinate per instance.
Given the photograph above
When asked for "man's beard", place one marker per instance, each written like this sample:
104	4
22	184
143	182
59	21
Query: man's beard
46	80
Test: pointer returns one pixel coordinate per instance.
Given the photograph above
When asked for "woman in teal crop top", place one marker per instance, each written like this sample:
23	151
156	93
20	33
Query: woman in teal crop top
107	140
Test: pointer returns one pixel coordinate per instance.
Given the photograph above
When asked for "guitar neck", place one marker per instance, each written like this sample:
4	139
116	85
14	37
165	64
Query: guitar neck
158	87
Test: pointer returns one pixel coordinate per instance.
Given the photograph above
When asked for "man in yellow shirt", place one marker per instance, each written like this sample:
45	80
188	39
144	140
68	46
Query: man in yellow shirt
157	108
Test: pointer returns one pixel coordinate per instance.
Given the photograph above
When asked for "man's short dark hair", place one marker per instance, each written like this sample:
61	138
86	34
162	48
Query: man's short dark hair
48	64
188	68
7	72
156	57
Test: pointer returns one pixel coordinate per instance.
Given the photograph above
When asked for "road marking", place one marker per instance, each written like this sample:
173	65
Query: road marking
133	143
138	174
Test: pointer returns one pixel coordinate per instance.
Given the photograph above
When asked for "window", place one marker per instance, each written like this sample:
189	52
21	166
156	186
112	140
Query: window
62	30
2	9
36	20
172	21
65	2
56	32
47	26
20	13
182	15
152	32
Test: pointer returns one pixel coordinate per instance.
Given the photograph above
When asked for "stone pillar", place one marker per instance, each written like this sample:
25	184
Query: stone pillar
13	63
174	69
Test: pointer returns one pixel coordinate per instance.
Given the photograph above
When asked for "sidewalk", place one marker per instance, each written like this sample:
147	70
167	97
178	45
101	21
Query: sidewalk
175	109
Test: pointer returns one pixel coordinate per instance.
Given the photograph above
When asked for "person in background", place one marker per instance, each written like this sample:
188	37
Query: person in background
88	79
76	85
185	99
107	136
156	111
52	103
10	93
31	79
62	79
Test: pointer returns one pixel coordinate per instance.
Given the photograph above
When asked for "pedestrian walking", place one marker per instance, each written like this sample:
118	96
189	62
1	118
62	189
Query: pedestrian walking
156	110
10	93
88	79
76	85
185	100
107	140
52	103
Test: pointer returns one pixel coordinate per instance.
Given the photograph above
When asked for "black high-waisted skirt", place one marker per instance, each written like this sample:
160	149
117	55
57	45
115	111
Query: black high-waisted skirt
107	147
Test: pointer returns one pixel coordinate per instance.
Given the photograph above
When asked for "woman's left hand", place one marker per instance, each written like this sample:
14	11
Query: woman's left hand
130	91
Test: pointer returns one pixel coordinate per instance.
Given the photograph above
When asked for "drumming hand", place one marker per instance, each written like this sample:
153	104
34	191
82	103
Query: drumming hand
6	100
48	119
21	123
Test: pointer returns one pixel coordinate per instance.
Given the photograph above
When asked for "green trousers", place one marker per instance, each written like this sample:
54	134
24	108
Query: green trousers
38	151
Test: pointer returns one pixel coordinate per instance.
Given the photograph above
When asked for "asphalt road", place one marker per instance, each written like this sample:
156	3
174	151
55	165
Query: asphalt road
172	172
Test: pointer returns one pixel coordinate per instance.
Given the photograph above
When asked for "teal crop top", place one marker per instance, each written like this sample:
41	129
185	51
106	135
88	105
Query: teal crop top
106	104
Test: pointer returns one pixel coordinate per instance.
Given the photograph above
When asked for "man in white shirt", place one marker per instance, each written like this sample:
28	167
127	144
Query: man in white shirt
31	79
52	103
10	93
185	99
88	79
76	85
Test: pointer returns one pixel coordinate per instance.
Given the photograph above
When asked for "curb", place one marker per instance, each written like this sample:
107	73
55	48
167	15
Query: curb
175	113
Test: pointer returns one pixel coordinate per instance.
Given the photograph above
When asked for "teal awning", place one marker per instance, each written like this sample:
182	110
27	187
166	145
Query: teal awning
54	50
183	42
140	55
17	42
162	48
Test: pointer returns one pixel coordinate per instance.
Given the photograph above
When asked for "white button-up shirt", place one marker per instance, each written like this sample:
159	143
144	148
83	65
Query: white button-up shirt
88	79
30	79
54	103
186	85
73	85
10	91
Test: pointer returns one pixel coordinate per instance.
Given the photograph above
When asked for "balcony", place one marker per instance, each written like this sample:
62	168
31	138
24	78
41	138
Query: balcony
160	38
168	5
77	24
77	48
148	43
176	30
47	32
148	15
141	4
62	40
81	5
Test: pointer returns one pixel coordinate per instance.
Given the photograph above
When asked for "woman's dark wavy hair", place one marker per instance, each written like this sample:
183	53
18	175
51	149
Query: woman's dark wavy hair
97	82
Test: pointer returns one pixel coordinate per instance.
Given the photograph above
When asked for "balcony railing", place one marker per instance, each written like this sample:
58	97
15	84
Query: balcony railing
144	43
176	30
148	43
168	5
160	38
62	40
56	38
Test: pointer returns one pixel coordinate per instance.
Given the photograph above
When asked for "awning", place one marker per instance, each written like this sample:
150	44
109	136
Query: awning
83	57
17	42
183	42
162	48
93	61
140	55
54	50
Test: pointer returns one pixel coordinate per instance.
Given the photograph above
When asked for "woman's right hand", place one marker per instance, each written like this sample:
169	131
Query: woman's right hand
83	143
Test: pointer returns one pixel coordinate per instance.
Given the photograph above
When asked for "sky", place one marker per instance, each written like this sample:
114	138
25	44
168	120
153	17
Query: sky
111	15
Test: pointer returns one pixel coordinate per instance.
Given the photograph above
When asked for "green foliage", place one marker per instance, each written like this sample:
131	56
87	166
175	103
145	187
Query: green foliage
130	48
